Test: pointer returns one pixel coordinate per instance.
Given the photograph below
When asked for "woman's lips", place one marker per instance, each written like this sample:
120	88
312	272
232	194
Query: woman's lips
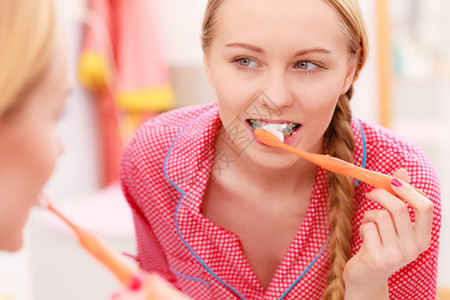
286	128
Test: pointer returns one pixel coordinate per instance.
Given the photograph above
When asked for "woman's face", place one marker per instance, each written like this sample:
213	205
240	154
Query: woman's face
29	147
278	62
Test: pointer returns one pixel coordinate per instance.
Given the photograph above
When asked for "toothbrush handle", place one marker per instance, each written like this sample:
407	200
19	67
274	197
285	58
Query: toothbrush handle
336	165
107	256
375	179
123	271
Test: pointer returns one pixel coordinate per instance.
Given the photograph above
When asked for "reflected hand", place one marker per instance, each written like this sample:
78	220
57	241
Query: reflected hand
149	287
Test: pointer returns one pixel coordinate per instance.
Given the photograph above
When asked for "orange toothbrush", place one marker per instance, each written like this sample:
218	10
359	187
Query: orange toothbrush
156	288
107	256
336	165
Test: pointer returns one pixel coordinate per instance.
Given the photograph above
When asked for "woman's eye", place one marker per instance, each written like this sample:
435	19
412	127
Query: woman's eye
306	65
247	62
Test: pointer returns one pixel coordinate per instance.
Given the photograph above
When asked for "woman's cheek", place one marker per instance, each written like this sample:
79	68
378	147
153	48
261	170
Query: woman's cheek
58	147
54	151
47	152
235	94
316	97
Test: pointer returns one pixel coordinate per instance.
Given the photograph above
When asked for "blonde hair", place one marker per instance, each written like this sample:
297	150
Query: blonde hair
26	45
209	23
338	139
340	143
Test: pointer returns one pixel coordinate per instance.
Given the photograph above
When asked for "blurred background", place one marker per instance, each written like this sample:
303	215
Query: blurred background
405	86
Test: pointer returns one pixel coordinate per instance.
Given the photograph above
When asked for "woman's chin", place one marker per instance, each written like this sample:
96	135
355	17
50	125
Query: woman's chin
11	238
272	158
12	245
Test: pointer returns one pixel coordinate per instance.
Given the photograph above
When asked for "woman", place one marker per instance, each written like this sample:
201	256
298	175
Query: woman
34	85
223	216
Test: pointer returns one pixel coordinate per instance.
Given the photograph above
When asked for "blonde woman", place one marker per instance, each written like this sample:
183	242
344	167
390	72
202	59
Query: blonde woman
34	85
223	216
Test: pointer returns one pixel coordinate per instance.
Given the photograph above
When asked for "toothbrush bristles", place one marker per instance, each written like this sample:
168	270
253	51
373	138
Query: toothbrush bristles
267	138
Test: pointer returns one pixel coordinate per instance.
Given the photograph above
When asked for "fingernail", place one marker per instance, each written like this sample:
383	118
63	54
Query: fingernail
396	182
115	295
368	190
136	283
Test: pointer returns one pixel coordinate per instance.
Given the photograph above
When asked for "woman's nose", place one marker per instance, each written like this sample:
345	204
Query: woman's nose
278	90
59	146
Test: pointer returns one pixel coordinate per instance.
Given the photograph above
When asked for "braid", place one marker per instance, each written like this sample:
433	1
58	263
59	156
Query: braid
340	143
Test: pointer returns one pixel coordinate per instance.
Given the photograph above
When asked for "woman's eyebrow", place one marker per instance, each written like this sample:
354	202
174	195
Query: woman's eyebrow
246	46
313	50
260	50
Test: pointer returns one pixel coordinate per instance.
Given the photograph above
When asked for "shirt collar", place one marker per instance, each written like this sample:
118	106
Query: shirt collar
190	157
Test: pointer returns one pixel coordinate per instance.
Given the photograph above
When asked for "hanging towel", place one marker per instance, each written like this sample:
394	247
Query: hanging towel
123	63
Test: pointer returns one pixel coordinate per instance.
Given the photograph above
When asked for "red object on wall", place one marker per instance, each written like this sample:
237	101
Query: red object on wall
122	62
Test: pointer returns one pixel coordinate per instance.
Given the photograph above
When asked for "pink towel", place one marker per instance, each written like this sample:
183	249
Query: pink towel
123	63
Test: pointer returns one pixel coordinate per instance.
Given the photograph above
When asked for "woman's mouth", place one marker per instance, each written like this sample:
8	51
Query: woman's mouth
287	129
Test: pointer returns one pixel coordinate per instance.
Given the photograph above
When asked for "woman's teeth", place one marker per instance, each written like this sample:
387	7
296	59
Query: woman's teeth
274	131
286	129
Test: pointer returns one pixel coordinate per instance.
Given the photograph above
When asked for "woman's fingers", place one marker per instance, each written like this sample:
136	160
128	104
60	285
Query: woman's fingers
390	238
385	226
397	248
423	210
402	174
371	239
398	211
380	255
149	286
416	235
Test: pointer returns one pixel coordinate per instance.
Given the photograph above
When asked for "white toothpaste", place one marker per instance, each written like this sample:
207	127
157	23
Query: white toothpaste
275	129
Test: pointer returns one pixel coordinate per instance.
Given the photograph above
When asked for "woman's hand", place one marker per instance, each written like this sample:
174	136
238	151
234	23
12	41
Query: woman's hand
390	239
149	287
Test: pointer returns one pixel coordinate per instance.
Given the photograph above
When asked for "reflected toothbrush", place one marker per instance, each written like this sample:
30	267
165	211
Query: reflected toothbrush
155	287
124	272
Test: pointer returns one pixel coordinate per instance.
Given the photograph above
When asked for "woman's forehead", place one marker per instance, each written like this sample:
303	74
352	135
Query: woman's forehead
312	23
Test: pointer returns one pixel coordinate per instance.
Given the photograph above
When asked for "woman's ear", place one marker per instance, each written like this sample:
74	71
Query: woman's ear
350	76
207	66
